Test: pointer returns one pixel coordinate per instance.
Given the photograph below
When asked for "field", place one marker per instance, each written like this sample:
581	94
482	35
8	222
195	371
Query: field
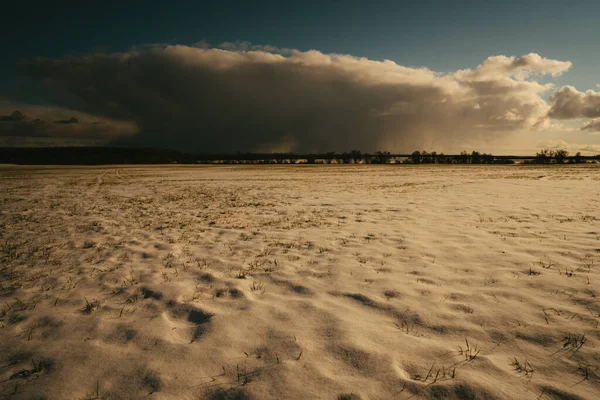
300	282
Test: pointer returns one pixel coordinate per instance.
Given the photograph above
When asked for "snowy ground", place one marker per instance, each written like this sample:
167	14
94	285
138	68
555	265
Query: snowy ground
300	282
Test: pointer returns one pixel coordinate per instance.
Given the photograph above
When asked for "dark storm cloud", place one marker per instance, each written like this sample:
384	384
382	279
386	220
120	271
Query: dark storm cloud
14	117
253	99
71	120
55	122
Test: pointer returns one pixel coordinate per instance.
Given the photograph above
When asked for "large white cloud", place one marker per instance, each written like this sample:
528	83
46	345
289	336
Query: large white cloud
498	66
203	99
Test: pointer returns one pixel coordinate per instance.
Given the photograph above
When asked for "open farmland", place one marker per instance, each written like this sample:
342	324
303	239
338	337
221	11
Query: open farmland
300	282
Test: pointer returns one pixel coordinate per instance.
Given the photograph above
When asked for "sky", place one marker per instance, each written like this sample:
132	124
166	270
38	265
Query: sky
506	77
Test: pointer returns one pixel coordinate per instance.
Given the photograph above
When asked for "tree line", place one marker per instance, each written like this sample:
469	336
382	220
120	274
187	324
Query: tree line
121	155
559	156
385	157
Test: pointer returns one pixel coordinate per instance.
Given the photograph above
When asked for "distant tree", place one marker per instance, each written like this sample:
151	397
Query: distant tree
330	156
487	158
382	157
356	156
560	155
346	157
464	157
578	158
416	157
426	157
475	157
543	156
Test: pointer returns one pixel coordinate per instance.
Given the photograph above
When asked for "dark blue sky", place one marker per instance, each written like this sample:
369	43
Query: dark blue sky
441	35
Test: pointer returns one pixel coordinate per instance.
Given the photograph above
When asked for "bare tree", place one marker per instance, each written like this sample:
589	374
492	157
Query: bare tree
543	156
416	157
382	157
356	156
560	155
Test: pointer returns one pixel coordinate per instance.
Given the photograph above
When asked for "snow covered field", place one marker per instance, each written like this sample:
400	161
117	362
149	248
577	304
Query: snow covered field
300	282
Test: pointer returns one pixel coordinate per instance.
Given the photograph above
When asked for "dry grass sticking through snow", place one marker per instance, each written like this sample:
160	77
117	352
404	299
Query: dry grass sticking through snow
300	282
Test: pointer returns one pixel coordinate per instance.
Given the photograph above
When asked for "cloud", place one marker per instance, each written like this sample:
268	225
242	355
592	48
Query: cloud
522	67
71	120
14	117
592	126
19	127
568	102
240	46
253	98
571	147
